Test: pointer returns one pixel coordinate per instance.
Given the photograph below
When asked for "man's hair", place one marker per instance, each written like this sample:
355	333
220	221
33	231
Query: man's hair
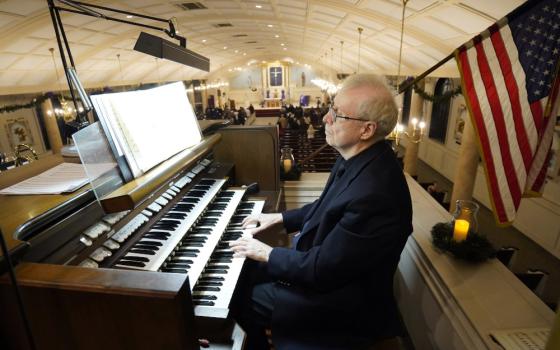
379	106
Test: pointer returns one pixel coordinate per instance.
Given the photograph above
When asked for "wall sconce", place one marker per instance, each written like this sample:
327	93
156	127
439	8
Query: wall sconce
415	136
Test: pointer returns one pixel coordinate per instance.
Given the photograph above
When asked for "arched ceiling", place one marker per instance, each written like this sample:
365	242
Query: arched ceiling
303	31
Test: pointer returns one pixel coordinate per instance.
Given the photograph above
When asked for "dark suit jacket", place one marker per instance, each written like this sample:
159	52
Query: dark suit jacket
336	287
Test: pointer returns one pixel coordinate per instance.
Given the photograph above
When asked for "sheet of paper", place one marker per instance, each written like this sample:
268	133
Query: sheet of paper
63	178
521	339
149	126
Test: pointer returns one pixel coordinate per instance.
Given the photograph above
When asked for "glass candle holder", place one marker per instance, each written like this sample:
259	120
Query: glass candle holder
464	219
287	160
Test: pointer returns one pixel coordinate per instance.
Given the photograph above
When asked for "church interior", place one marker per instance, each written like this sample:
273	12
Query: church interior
259	75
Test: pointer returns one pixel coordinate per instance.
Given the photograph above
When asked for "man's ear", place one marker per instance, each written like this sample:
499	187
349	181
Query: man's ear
368	130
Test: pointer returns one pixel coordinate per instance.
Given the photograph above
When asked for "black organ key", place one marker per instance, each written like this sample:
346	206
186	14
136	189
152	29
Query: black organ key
193	244
192	193
203	302
207	182
218	266
186	255
206	289
223	245
223	254
202	187
183	259
201	231
226	194
188	250
207	222
246	205
221	260
142	251
168	222
211	278
209	283
146	247
217	206
216	271
136	258
243	211
162	236
222	200
175	270
131	263
177	265
194	240
189	200
152	243
213	214
175	215
204	297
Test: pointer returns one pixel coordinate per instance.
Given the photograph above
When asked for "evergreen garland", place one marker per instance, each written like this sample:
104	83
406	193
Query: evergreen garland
32	104
36	102
476	248
446	96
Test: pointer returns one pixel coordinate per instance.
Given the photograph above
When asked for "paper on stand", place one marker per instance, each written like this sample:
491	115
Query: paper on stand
63	178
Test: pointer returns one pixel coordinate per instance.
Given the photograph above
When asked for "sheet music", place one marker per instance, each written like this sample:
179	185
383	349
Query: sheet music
521	339
63	178
149	126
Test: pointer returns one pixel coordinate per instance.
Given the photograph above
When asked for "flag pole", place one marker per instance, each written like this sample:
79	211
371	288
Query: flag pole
405	85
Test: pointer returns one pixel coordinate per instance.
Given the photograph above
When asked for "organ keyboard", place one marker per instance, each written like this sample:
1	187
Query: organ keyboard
175	236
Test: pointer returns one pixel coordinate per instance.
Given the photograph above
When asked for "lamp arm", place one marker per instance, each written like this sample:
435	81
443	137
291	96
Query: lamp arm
83	8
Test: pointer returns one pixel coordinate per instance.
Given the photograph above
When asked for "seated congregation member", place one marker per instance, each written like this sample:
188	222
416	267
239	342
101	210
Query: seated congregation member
334	288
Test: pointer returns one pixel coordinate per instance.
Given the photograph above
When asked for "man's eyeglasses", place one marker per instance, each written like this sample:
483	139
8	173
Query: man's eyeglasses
340	116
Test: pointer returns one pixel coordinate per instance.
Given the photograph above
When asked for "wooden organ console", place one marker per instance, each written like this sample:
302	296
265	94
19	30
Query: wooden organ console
154	273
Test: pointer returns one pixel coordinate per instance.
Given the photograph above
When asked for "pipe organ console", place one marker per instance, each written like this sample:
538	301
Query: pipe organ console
155	273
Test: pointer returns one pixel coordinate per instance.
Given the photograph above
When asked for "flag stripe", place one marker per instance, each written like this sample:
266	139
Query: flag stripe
537	112
513	161
496	127
527	115
496	197
513	109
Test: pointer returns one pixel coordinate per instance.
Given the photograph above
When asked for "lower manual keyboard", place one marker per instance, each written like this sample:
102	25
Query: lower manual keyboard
214	288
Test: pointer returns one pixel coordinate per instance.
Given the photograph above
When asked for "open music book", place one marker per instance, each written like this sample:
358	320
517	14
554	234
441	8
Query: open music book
148	126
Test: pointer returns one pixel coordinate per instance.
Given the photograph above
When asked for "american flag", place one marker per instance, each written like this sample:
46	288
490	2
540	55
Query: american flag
510	81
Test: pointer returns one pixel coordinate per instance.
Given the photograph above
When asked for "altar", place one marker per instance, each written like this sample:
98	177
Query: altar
273	102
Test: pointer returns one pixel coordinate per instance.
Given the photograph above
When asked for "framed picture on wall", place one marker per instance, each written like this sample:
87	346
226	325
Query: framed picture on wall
18	131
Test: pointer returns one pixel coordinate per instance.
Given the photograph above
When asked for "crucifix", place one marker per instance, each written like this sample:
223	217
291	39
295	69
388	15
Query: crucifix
275	76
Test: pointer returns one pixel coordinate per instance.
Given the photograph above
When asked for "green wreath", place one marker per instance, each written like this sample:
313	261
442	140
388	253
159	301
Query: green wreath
292	175
438	98
476	248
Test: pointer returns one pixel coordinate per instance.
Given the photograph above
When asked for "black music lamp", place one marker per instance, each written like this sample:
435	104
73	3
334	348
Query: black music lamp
147	43
161	48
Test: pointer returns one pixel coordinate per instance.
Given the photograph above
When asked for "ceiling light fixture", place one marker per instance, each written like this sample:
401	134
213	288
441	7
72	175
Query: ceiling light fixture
360	30
203	40
341	50
277	36
404	2
258	6
269	25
